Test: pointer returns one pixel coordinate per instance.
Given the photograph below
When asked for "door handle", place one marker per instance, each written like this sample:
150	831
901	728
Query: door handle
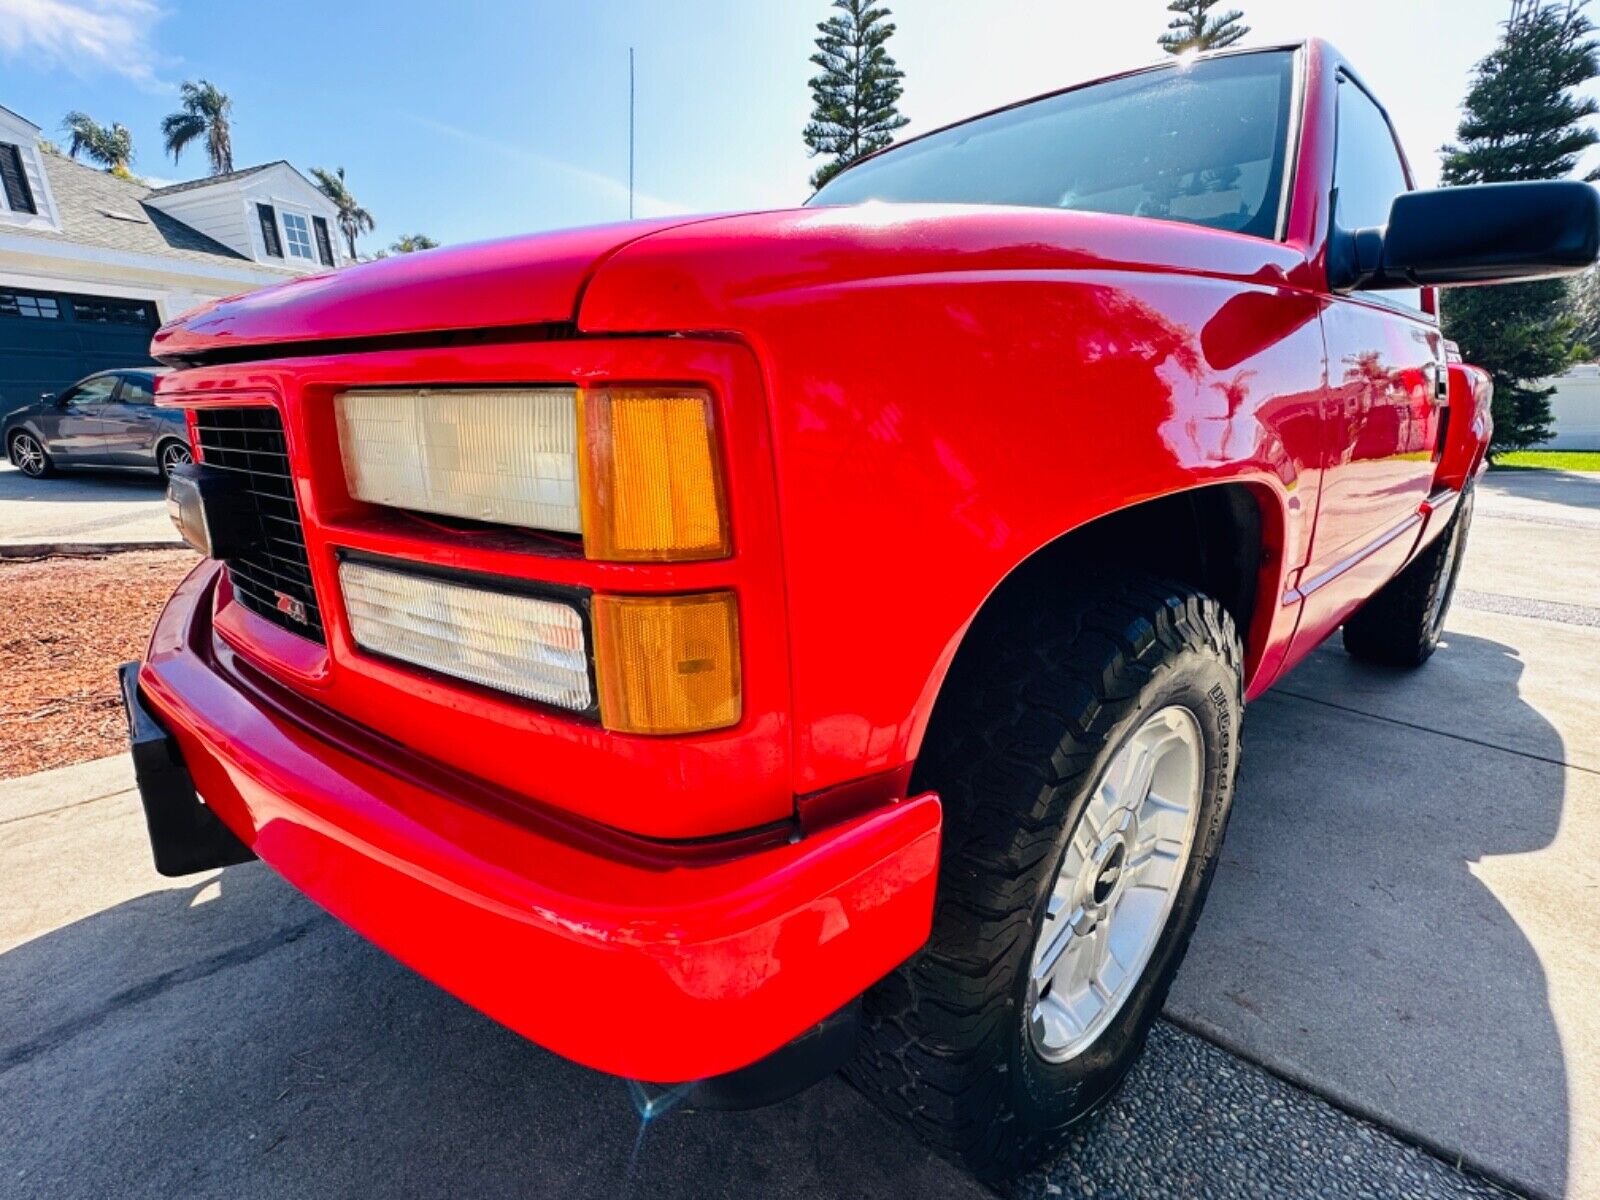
1438	377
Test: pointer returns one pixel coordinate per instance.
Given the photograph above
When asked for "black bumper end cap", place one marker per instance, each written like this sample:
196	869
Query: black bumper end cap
787	1071
185	835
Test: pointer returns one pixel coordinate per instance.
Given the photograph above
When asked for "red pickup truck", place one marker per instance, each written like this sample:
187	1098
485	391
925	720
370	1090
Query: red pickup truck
724	649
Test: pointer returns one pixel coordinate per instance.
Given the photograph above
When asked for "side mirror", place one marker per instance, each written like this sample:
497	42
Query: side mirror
1483	233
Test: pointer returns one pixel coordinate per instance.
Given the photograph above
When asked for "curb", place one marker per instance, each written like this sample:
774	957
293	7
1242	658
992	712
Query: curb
81	549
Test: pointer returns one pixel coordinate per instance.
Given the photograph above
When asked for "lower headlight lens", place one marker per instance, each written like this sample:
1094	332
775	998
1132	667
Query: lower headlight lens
524	645
668	664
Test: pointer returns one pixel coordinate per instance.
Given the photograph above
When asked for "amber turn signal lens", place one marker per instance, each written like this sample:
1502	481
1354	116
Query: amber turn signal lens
668	664
652	486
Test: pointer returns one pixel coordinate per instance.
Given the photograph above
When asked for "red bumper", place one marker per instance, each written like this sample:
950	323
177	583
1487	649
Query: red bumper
650	966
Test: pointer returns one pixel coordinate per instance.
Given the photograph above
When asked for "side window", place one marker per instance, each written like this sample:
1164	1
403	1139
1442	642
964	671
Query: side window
297	234
95	391
136	390
1367	172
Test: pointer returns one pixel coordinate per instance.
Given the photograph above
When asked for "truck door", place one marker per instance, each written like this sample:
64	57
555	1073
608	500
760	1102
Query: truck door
1381	415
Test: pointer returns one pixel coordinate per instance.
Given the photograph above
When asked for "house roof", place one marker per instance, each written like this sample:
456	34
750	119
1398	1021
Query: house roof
225	177
85	200
13	113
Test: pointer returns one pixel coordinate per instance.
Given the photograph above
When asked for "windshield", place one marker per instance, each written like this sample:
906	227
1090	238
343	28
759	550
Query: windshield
1203	143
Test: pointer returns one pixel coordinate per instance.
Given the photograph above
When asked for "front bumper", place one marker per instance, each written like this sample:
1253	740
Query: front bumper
651	963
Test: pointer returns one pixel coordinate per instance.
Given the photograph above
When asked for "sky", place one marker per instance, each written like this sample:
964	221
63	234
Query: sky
480	118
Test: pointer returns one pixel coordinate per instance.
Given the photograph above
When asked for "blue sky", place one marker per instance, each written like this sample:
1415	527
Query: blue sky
487	117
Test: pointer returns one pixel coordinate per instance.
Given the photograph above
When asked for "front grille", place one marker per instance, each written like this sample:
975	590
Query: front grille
273	580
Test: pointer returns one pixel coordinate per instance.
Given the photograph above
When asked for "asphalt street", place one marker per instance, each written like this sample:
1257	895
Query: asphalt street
1395	974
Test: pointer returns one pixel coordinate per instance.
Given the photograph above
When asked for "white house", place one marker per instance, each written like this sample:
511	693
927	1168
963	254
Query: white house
1575	408
90	264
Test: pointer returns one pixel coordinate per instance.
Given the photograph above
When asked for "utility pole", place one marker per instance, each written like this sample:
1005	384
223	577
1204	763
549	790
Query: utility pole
630	133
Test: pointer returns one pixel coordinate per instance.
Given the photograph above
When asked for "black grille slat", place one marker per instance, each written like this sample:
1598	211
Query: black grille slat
249	442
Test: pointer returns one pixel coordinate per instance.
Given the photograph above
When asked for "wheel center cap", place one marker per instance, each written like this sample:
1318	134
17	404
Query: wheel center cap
1111	868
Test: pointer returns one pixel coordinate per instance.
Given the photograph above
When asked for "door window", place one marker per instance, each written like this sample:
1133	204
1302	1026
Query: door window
95	391
136	389
1368	173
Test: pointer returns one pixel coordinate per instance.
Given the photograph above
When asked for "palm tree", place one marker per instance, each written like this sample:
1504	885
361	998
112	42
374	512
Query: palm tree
410	243
112	148
353	219
205	113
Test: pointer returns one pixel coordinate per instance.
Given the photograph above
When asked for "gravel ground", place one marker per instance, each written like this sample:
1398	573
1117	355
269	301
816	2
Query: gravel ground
1519	606
1194	1121
68	623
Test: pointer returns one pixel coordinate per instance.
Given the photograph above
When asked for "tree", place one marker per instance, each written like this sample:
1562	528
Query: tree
1195	29
112	148
410	243
1523	119
205	113
1586	314
353	219
858	87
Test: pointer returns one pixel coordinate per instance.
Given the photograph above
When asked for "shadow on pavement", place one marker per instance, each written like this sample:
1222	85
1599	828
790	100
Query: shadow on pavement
1348	941
304	1062
79	485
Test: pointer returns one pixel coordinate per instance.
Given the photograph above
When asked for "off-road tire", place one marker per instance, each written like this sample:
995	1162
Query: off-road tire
1401	624
1036	705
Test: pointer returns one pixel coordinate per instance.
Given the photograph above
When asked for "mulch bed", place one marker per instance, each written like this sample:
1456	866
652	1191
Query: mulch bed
65	624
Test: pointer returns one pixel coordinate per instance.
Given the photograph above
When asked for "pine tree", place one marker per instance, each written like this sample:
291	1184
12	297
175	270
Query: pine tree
1586	314
1523	119
1194	29
857	90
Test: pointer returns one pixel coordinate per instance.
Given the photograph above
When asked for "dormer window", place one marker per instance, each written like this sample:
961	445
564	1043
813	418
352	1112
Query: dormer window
297	236
14	180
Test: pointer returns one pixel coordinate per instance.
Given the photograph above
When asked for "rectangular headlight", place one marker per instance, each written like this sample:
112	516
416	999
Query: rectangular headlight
524	645
636	471
509	456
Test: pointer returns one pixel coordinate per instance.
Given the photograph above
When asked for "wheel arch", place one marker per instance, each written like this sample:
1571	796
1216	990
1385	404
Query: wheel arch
1224	538
19	427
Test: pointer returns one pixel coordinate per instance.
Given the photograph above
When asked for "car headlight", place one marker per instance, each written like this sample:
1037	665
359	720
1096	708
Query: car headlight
525	645
634	471
509	457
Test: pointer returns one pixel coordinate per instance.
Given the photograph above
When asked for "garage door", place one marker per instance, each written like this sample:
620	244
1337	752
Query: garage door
50	339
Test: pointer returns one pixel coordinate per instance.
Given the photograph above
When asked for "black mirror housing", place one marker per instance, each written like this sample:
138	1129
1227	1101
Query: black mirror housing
1483	233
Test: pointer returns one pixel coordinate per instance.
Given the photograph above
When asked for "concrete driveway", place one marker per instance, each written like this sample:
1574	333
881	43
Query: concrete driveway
82	508
1403	928
1407	916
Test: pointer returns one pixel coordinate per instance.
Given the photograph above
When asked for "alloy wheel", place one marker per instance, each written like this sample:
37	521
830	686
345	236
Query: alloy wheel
174	455
28	454
1116	884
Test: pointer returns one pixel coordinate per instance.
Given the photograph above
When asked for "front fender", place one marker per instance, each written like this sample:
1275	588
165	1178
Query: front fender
948	396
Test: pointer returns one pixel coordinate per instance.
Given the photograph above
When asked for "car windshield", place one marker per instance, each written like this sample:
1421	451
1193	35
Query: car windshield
1203	143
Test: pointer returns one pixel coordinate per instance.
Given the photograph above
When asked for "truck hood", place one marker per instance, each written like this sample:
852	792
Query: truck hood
692	274
712	275
514	282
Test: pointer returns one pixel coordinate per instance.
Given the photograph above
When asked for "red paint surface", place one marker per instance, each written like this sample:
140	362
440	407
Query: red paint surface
915	400
654	969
